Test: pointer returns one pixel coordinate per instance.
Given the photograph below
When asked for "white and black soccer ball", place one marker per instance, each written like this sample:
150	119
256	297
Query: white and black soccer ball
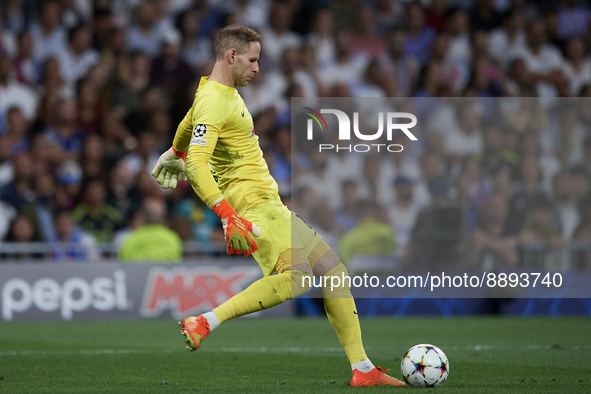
200	130
424	365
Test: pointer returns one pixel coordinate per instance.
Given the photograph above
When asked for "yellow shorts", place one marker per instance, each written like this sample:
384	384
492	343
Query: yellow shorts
286	239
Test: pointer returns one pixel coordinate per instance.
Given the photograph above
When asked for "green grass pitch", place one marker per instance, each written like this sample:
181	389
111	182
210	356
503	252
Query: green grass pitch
487	355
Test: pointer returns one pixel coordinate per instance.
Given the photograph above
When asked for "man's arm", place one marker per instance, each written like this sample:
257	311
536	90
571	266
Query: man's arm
197	167
182	137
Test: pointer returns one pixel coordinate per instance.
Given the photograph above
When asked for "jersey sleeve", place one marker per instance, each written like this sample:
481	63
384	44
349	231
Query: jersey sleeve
205	122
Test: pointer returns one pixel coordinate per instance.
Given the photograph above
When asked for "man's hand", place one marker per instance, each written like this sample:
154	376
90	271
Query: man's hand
170	169
236	230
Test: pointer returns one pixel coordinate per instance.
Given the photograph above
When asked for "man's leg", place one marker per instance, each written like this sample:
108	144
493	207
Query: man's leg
340	307
342	315
290	282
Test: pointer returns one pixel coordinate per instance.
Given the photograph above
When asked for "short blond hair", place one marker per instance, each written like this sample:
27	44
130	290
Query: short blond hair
234	36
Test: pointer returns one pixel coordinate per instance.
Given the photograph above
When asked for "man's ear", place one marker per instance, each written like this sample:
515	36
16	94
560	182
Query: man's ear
232	53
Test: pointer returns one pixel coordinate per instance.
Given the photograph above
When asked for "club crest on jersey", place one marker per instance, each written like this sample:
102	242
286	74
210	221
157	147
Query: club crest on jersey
251	132
200	130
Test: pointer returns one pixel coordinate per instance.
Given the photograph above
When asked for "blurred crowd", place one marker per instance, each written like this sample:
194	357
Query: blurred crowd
490	182
91	93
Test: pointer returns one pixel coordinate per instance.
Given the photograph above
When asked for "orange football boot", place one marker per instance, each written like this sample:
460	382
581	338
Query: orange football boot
195	329
375	377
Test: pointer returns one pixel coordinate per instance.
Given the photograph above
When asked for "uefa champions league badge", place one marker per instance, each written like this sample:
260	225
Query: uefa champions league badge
200	131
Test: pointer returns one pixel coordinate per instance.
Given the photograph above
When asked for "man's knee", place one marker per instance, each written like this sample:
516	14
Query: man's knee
301	280
329	261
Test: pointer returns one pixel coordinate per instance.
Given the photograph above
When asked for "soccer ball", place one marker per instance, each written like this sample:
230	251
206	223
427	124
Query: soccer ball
424	366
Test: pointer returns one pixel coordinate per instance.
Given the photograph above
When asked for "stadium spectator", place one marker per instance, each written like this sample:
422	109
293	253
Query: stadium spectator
402	212
583	231
26	67
15	15
526	189
509	36
577	67
565	204
50	36
20	190
440	237
64	137
16	131
144	156
347	216
322	218
7	38
131	84
195	51
419	37
169	70
278	37
466	137
484	15
321	38
7	214
347	68
457	29
454	71
41	210
103	24
92	157
435	15
365	40
69	176
493	156
145	33
54	86
94	215
135	220
395	62
152	242
115	57
78	56
541	226
71	244
13	93
371	236
153	98
202	221
573	18
493	247
22	232
543	61
90	111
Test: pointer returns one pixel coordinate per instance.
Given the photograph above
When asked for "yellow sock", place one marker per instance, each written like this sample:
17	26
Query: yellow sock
342	315
265	293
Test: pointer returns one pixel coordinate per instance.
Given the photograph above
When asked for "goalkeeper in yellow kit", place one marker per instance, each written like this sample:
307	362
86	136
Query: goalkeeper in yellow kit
216	148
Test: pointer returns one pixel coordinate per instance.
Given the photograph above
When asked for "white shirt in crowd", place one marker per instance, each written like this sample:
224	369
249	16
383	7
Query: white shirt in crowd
569	219
73	67
275	44
346	73
52	45
18	95
546	60
577	79
499	44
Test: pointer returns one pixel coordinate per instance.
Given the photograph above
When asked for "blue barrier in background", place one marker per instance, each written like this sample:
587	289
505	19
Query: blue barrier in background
400	307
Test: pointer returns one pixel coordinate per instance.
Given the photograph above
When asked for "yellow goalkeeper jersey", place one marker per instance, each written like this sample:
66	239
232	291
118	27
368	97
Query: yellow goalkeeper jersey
224	156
